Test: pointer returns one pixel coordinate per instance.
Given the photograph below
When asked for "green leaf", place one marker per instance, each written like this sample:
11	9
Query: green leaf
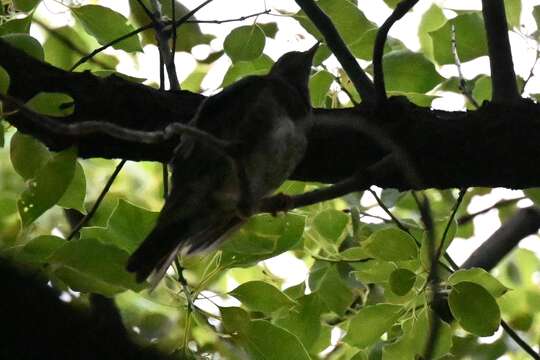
374	271
370	323
28	155
405	71
536	15
391	244
481	277
401	281
533	193
470	39
482	89
16	26
107	25
75	194
52	104
390	197
240	69
265	341
127	227
513	12
48	186
40	249
412	344
88	265
25	43
319	86
4	81
432	19
304	320
331	224
264	236
244	43
349	20
235	319
269	29
25	5
328	284
261	296
474	308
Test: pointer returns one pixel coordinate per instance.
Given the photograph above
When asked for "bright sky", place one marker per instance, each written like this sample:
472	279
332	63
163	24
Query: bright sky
292	37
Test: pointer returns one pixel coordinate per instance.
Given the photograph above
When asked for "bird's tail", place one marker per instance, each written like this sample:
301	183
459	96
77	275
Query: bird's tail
162	245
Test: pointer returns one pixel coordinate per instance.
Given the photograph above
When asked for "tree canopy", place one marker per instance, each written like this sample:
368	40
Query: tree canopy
381	193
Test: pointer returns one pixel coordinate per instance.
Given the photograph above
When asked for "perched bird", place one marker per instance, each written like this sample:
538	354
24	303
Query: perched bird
213	194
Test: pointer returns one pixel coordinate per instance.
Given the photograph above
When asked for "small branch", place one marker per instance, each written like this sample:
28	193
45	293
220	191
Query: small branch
525	222
378	49
462	83
121	133
503	203
528	349
100	198
503	77
459	200
324	24
396	221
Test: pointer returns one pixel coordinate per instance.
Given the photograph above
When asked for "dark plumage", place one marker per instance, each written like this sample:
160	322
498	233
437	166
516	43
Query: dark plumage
268	117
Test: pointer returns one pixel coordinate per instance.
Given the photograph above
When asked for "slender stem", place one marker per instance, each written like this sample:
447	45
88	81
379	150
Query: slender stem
503	77
324	24
503	203
100	198
528	349
462	83
378	49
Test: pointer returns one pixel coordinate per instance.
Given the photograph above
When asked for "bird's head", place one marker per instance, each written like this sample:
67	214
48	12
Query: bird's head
295	66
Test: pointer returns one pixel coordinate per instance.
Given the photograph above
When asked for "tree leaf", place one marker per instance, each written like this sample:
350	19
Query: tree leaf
25	5
52	104
331	224
405	71
48	186
432	19
412	344
328	284
474	308
261	296
25	43
40	249
269	342
391	244
107	25
240	69
89	265
401	281
370	323
481	277
127	227
75	194
319	86
27	155
513	12
470	39
244	43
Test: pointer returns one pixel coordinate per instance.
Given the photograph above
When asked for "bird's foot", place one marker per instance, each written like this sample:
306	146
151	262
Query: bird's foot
281	202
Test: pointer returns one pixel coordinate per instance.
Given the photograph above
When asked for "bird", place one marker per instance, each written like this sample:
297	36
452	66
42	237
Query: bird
212	195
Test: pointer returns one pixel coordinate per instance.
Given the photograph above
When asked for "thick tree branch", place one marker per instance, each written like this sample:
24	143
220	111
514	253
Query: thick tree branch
324	24
448	149
505	90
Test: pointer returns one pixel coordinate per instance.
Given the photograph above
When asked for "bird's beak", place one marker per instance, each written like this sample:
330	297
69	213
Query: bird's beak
311	52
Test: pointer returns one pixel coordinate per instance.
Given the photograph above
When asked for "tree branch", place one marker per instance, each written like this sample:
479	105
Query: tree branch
324	24
378	49
503	77
525	222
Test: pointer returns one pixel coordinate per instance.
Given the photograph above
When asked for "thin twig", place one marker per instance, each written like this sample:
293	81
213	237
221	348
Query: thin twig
459	200
324	24
469	217
528	349
389	213
462	83
100	198
378	49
